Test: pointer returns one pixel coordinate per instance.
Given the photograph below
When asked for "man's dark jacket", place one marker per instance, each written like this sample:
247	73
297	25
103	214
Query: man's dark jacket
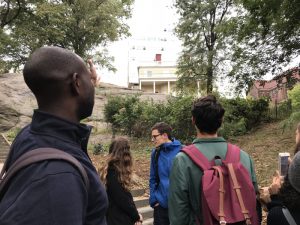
53	192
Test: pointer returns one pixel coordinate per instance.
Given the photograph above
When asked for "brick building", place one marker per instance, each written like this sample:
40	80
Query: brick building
276	89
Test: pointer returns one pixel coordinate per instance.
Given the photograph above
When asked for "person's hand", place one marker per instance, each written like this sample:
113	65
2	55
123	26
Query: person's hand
276	184
264	195
94	76
140	221
289	160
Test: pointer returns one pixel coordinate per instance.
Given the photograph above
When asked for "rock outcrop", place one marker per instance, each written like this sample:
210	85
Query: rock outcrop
17	101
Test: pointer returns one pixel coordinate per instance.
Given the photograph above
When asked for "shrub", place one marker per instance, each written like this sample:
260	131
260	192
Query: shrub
134	117
179	118
100	148
294	95
241	115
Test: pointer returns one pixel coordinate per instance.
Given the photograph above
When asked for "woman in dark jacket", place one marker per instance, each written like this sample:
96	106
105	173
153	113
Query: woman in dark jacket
288	197
116	175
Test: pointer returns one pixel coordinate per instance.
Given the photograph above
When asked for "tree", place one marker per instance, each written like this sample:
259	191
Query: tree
79	25
10	10
268	38
205	28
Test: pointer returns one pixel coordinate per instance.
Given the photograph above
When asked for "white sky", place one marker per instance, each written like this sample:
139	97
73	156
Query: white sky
151	27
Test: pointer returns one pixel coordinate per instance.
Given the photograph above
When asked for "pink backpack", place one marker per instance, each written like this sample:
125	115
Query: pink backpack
228	195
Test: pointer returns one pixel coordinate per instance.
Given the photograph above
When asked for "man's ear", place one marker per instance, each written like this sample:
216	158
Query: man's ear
75	84
193	120
165	135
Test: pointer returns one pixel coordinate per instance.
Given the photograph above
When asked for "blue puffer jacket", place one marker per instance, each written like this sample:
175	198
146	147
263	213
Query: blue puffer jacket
160	193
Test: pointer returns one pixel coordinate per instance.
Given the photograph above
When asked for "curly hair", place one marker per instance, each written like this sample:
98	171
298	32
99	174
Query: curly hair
289	196
121	160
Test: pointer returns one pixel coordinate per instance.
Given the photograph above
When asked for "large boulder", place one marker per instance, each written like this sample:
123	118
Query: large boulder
16	101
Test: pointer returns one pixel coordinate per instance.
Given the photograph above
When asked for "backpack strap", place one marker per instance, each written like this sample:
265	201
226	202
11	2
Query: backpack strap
233	153
221	213
38	155
288	216
197	156
237	189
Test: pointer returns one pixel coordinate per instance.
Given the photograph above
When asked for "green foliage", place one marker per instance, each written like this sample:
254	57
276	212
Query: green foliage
241	39
294	96
113	106
134	117
241	115
151	114
267	38
205	28
294	117
281	110
129	114
79	25
12	133
123	112
180	117
100	148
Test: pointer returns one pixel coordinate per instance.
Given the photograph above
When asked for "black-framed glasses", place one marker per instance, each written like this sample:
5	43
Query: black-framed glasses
154	136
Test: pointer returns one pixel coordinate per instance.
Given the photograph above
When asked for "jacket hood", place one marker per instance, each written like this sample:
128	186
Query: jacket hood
170	145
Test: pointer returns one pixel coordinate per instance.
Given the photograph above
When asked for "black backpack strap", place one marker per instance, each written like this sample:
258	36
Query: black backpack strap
288	216
38	155
156	156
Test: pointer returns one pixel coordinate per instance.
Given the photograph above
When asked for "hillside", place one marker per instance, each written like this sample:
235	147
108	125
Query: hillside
264	144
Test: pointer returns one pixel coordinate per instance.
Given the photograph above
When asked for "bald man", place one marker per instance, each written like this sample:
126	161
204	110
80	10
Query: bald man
53	192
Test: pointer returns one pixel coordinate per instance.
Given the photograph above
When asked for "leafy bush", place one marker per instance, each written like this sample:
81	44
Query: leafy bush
241	115
281	110
100	148
179	117
151	114
113	106
134	117
128	114
294	96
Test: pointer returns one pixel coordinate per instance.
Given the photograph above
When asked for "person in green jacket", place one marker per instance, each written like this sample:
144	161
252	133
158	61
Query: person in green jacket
185	179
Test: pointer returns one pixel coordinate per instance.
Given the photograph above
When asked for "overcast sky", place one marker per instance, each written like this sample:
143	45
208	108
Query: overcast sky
152	21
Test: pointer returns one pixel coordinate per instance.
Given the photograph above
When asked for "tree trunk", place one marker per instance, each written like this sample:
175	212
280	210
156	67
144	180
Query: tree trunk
209	73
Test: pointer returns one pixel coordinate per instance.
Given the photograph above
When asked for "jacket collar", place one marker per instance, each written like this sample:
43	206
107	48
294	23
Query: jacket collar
169	145
207	140
49	124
